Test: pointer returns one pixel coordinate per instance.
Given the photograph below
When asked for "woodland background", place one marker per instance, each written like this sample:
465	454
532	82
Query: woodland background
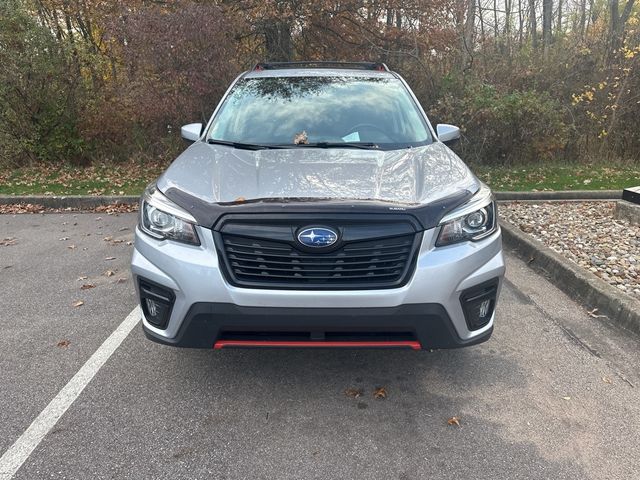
528	81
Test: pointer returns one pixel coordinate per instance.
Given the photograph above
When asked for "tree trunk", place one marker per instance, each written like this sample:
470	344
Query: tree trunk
583	17
617	23
547	12
520	24
278	42
534	23
468	35
559	24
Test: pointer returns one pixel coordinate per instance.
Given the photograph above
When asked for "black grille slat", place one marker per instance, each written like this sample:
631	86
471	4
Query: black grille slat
338	263
275	263
297	269
319	257
317	277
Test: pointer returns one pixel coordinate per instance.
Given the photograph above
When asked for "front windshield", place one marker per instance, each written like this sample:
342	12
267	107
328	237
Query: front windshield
317	110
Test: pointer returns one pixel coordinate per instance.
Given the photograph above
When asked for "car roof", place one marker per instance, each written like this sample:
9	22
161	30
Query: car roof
320	69
317	72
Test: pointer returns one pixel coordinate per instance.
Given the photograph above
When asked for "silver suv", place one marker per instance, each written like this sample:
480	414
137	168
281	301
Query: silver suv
318	207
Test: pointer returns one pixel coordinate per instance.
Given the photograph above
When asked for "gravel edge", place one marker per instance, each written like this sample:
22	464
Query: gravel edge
574	280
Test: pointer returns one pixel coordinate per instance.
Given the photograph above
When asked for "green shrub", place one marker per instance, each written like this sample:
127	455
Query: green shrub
38	96
505	128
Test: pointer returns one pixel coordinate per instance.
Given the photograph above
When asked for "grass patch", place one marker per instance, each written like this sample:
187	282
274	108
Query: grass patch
559	177
131	178
102	179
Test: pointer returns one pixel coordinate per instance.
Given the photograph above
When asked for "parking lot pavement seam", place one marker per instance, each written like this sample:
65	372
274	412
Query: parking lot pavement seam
22	448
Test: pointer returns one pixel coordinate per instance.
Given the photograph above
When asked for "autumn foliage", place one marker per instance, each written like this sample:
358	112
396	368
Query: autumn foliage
113	80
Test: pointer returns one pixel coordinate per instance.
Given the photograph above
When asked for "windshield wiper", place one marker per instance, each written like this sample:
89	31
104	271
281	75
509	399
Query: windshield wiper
362	145
243	146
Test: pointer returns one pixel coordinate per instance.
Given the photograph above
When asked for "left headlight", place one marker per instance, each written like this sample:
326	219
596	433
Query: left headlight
163	219
473	221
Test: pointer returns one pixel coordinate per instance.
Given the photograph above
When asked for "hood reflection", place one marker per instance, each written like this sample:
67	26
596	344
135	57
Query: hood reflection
412	176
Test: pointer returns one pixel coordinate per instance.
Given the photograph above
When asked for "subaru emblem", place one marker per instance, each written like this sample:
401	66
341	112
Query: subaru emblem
317	237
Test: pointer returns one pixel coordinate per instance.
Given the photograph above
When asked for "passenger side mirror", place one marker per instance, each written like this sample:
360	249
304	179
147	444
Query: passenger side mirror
191	132
448	134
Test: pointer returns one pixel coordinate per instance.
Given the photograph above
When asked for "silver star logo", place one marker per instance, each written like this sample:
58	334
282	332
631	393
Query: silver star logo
311	235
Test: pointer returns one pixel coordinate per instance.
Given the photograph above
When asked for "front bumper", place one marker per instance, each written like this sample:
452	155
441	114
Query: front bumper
428	307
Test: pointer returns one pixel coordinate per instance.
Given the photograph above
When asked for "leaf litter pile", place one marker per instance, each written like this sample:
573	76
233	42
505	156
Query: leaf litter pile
20	208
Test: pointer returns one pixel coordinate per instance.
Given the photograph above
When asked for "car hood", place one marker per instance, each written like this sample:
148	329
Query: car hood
412	176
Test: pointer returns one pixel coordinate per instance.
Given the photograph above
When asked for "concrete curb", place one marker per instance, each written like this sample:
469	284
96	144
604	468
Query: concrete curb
627	211
72	201
561	195
574	280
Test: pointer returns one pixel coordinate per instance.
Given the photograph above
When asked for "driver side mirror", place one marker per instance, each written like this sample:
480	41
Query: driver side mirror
448	134
191	132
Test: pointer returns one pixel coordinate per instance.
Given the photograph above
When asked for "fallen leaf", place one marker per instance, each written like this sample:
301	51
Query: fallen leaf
79	303
8	241
63	239
566	398
110	258
63	343
121	280
380	393
453	421
129	243
71	247
107	239
109	273
82	277
594	313
87	286
123	229
606	380
353	392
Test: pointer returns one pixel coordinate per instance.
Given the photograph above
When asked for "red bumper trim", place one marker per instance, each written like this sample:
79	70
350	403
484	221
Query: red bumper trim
313	344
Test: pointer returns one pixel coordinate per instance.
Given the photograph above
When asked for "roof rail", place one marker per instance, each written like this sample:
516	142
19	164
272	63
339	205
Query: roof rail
380	67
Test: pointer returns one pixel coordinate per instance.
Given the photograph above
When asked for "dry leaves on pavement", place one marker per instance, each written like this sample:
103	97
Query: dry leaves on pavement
79	303
87	286
7	242
63	343
380	393
453	421
16	208
353	392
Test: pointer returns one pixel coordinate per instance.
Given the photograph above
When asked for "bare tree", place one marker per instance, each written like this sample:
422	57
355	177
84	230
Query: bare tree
534	24
547	13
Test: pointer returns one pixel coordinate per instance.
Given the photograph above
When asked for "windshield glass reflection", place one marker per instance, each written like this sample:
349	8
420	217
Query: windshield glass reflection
311	110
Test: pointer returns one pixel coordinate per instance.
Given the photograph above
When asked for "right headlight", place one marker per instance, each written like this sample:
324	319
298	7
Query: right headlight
474	220
164	220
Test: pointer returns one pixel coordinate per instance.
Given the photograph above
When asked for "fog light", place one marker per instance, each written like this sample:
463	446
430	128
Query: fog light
478	304
156	302
152	307
484	308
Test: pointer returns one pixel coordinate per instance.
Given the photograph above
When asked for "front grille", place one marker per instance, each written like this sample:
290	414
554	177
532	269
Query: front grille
270	263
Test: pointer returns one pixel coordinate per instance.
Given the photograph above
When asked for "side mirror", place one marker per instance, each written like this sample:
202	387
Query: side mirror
448	134
191	132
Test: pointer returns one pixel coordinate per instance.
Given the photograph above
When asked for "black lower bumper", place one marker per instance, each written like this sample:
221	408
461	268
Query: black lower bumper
209	324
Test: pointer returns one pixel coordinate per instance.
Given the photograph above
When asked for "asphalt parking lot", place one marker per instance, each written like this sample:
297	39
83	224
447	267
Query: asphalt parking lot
553	394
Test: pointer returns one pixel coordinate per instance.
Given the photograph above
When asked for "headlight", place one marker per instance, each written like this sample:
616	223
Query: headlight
474	220
162	219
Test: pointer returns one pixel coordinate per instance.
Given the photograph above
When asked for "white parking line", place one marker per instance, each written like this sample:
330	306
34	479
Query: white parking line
18	453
